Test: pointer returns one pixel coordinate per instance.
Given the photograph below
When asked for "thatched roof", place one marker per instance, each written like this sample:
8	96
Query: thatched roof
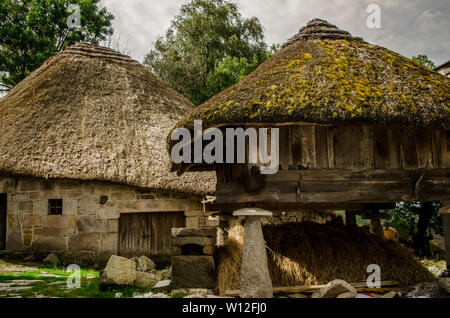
90	113
443	66
324	75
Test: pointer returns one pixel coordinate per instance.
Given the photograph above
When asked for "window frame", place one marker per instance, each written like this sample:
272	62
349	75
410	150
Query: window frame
55	206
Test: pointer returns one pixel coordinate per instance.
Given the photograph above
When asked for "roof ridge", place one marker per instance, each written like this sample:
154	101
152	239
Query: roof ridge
322	30
86	49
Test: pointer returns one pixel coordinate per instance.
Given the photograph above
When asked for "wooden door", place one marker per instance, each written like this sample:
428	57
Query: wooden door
148	233
2	221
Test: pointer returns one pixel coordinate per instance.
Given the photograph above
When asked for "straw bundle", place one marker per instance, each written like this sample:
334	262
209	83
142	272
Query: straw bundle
309	253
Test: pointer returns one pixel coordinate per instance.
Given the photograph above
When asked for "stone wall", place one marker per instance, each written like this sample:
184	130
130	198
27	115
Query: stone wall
91	211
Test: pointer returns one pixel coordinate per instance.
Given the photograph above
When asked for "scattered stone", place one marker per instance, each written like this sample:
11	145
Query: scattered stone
50	275
196	296
198	291
427	290
391	294
118	295
160	295
29	258
434	270
145	280
334	289
119	271
166	273
164	285
20	282
136	261
15	288
145	264
51	259
346	295
179	292
57	283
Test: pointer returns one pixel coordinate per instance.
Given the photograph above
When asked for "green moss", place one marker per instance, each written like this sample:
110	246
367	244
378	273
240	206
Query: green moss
333	82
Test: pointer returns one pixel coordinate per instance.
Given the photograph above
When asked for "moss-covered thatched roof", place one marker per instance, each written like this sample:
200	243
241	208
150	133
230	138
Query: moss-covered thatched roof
324	75
90	113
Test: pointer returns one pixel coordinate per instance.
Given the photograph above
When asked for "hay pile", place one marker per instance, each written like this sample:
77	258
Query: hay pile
309	253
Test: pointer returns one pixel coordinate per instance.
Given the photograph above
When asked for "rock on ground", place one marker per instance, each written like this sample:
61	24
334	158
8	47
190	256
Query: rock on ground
164	285
51	259
145	280
145	264
346	295
119	271
334	289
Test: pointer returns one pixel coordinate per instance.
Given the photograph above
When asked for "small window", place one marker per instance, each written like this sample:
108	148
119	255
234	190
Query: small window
55	207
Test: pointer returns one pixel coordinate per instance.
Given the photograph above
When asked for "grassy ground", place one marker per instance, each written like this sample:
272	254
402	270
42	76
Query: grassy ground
51	281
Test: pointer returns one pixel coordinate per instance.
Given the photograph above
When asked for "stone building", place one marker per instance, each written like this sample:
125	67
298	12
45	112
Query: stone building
83	161
444	69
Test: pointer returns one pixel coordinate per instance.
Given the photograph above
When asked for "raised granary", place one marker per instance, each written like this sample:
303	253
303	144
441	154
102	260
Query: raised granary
360	128
83	161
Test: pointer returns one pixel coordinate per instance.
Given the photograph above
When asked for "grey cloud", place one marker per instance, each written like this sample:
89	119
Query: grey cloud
410	27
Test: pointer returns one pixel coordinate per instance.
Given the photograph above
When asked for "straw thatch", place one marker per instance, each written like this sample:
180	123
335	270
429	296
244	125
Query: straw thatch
90	113
324	75
309	254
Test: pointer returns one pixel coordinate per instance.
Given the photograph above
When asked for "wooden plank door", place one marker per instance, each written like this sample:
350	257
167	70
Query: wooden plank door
148	233
2	221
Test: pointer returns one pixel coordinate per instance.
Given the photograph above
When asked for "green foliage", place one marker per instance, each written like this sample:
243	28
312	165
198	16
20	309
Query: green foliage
231	70
405	217
31	31
424	60
200	37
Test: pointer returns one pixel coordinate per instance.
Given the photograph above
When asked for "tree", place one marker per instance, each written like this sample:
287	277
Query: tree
412	220
200	37
424	60
231	70
31	31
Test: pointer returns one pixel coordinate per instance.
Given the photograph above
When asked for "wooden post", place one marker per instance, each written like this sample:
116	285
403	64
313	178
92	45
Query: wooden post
444	280
350	218
255	276
375	221
445	212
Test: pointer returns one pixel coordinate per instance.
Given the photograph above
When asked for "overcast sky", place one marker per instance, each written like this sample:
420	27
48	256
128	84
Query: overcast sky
409	27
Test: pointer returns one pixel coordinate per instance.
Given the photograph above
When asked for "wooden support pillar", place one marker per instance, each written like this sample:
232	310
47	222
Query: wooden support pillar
376	227
255	276
350	218
444	280
445	212
375	218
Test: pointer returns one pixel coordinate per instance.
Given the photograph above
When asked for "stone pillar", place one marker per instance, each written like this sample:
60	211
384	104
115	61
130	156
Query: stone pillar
255	276
350	218
444	280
